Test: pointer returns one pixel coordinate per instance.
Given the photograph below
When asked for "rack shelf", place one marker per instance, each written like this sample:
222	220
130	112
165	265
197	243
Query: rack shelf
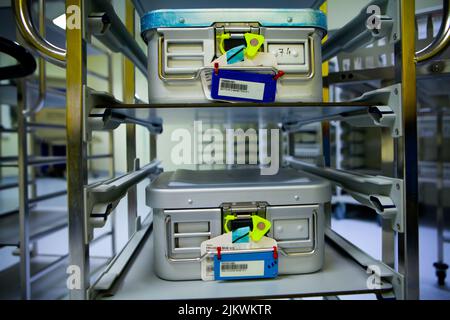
54	98
6	184
51	285
340	275
37	161
42	222
238	112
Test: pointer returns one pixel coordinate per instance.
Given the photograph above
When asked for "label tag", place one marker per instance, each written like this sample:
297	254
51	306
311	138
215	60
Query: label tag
239	266
206	78
243	86
250	260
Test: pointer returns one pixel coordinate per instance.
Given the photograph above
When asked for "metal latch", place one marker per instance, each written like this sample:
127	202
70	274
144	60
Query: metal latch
234	33
242	214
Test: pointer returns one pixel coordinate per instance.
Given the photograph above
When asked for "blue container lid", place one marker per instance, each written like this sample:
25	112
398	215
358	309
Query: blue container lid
188	18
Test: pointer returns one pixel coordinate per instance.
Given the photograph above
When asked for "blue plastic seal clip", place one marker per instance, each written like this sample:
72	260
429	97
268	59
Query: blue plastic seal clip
241	235
235	55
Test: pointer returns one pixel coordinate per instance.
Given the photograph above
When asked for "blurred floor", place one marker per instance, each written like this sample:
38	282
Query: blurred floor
367	235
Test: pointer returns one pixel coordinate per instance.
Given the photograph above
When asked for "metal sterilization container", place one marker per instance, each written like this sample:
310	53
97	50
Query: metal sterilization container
189	208
183	43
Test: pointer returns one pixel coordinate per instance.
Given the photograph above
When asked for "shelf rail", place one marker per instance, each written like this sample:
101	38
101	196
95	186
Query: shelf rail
103	197
383	194
106	25
383	110
356	32
373	266
104	118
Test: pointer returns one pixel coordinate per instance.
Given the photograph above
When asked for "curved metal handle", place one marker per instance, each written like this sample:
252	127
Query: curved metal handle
40	102
27	63
306	253
442	39
26	28
168	249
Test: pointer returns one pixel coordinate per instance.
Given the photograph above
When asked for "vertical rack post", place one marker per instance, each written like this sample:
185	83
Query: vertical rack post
24	209
406	150
326	142
440	221
128	97
388	237
153	146
387	169
1	145
112	164
76	148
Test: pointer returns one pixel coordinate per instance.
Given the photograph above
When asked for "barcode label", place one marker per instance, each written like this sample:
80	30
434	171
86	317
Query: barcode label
233	86
241	89
242	268
233	267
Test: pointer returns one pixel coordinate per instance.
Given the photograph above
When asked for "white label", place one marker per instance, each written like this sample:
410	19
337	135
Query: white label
242	268
241	89
288	53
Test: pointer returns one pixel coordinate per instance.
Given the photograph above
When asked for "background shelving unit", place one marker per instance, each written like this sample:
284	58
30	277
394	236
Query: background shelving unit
372	67
40	210
393	195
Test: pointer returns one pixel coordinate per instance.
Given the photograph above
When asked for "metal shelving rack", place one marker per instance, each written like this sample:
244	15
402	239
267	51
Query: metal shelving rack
394	196
373	66
91	204
26	225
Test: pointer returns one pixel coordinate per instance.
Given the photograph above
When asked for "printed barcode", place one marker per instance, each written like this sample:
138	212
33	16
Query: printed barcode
235	267
233	86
